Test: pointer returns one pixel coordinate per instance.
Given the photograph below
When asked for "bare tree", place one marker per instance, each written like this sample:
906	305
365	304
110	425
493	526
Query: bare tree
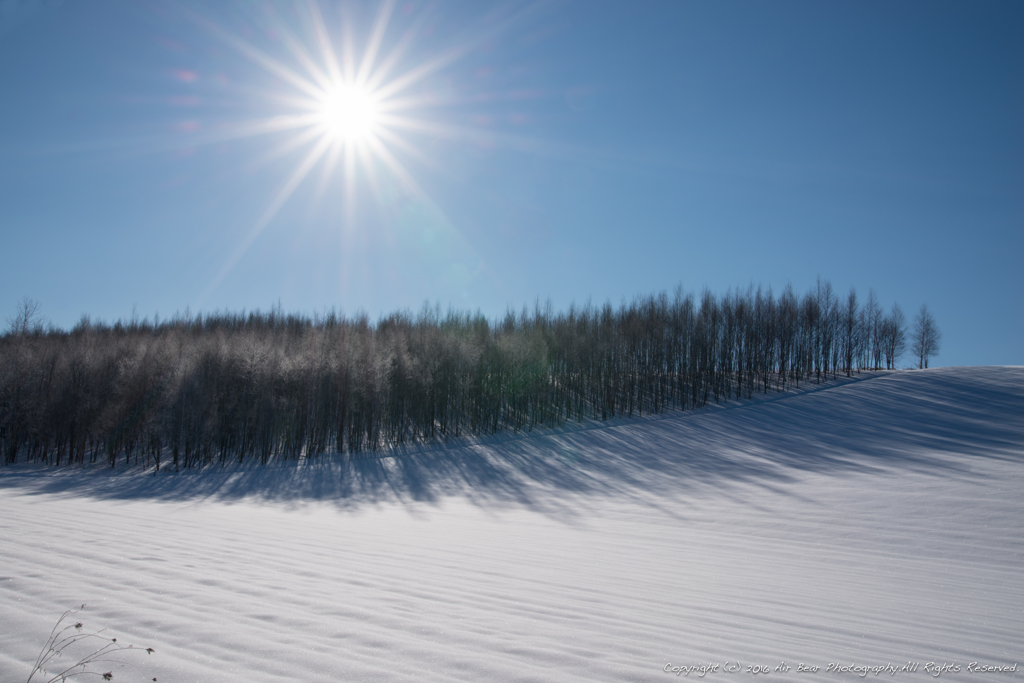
850	336
927	337
26	318
894	335
193	390
873	330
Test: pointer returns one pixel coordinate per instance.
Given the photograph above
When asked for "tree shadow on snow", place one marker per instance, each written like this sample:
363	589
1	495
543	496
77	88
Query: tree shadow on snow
937	421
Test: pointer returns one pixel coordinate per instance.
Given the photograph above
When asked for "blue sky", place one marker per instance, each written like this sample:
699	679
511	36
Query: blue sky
569	151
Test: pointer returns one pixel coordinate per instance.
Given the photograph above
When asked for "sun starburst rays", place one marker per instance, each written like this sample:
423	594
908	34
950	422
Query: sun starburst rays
352	106
342	107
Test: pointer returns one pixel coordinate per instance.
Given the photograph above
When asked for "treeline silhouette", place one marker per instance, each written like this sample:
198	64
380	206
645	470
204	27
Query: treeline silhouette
195	390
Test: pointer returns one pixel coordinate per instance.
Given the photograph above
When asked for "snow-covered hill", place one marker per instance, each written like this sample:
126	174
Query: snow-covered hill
876	521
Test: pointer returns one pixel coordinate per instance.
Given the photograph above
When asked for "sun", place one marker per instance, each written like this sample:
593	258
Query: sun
348	113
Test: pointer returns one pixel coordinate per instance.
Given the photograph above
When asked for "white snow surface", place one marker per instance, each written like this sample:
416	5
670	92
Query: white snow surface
871	521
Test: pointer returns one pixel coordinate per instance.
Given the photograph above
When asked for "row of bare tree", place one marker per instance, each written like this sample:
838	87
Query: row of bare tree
200	389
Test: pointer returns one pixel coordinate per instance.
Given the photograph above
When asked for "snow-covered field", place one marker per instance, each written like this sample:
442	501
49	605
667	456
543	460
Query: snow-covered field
876	521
